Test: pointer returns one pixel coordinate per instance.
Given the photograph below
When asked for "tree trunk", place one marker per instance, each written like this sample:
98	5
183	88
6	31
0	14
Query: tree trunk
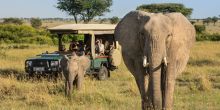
75	18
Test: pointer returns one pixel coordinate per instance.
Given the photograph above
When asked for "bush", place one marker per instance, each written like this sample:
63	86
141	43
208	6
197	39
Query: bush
208	37
200	28
114	20
10	33
36	22
68	38
13	21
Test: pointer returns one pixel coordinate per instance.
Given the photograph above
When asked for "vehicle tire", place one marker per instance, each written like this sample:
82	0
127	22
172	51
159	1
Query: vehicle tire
103	73
30	75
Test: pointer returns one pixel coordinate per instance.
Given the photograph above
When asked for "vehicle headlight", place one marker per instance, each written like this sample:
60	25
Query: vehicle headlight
28	63
54	63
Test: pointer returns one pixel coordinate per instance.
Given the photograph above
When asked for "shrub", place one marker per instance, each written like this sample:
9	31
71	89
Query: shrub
68	38
44	40
36	22
215	37
114	20
10	33
200	28
13	21
201	35
208	37
103	20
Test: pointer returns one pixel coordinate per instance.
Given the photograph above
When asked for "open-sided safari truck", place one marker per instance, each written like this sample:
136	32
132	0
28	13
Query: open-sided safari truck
101	64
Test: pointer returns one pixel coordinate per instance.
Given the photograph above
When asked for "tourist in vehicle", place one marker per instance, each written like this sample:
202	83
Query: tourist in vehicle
99	47
63	48
73	45
81	48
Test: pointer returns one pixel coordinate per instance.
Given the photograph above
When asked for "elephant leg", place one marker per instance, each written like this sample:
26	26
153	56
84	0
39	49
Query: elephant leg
80	79
142	81
70	85
169	86
66	88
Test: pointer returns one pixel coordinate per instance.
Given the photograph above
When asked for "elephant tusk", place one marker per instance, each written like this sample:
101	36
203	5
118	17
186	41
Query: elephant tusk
145	63
165	61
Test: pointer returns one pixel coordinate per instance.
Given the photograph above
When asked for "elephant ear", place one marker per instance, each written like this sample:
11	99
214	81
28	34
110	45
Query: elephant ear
182	40
128	31
64	61
85	62
183	31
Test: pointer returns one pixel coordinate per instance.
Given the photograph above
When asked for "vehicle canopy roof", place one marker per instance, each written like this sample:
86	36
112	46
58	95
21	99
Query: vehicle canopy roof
96	29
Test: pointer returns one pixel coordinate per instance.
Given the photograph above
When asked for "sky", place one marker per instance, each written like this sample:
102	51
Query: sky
47	8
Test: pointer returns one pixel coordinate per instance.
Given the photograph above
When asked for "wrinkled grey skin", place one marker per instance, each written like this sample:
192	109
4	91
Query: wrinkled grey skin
74	69
155	49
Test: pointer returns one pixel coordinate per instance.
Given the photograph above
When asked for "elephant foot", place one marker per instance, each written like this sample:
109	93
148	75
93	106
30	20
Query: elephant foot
146	105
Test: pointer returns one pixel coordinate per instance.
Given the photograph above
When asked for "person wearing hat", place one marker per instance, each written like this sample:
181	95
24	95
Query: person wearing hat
99	47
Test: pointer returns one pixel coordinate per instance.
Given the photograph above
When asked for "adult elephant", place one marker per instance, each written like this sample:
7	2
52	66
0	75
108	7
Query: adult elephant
155	49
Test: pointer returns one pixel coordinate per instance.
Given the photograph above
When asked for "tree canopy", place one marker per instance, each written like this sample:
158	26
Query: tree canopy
214	19
166	8
84	9
210	19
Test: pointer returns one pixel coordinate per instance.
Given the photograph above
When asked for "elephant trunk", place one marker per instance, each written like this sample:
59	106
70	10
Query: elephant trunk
155	81
156	57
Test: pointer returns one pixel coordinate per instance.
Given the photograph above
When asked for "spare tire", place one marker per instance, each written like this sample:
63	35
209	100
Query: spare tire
103	73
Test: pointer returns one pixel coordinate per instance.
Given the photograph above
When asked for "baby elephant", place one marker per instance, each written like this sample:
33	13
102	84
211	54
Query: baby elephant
74	69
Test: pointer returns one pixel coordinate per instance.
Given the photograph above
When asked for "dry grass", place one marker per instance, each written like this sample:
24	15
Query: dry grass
196	89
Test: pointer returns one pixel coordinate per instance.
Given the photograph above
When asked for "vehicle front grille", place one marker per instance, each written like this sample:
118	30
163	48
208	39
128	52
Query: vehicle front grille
40	63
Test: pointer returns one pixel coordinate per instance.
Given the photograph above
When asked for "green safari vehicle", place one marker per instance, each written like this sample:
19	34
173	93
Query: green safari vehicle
101	64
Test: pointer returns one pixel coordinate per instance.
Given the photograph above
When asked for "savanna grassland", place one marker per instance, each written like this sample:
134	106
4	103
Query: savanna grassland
198	88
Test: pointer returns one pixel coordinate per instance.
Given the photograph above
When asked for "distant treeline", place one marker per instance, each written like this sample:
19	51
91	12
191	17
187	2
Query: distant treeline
111	20
71	19
45	19
16	32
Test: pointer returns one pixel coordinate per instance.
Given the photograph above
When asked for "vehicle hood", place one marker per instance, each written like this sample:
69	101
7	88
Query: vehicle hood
46	57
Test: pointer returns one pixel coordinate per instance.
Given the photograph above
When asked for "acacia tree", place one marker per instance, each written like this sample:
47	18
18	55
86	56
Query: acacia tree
84	9
207	21
166	8
93	8
71	7
214	19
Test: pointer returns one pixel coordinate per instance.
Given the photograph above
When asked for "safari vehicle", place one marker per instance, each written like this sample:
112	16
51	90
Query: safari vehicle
101	65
